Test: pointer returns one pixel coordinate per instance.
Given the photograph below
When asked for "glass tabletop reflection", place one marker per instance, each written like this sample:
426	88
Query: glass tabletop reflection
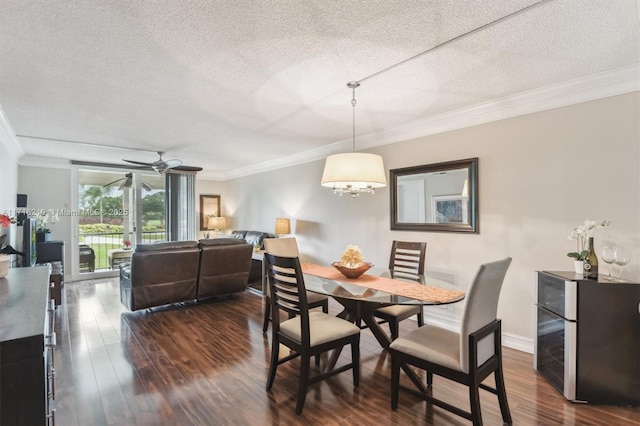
348	289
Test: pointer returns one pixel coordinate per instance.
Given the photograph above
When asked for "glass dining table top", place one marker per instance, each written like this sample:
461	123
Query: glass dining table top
378	286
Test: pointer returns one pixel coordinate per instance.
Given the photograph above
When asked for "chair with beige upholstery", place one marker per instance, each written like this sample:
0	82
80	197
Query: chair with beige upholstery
288	247
306	333
407	262
467	357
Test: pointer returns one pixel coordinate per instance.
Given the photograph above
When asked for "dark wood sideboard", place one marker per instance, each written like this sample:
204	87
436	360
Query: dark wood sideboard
27	339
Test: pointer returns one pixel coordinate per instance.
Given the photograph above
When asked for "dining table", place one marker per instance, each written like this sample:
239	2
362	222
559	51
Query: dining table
360	297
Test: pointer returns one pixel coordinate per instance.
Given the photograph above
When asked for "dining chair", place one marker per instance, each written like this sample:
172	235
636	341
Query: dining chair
407	262
288	247
466	357
305	333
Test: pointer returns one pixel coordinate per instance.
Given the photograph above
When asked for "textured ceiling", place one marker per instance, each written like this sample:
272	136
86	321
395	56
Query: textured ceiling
228	84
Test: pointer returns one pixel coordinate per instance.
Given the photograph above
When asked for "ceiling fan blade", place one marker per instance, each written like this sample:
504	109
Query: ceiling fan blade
127	182
111	183
188	168
172	163
139	163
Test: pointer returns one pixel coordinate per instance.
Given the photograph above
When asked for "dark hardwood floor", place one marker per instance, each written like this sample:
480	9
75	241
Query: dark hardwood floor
206	364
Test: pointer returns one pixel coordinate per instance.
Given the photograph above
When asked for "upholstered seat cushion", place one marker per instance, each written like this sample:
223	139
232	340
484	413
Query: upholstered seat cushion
322	328
433	344
314	297
399	310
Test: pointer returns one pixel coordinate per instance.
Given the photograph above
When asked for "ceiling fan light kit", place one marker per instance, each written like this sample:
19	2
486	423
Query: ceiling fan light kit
161	166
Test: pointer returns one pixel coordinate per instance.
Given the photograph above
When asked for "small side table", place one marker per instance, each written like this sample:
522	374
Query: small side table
118	256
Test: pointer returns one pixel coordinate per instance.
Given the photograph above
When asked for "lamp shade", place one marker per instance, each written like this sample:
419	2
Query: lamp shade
354	172
217	223
283	226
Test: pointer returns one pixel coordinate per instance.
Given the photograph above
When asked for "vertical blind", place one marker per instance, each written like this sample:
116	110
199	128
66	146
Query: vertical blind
180	205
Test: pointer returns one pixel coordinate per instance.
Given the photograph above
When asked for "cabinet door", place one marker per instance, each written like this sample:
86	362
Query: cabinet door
608	343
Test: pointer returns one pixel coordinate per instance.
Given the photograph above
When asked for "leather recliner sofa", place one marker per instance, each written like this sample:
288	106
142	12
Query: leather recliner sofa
160	274
224	266
172	272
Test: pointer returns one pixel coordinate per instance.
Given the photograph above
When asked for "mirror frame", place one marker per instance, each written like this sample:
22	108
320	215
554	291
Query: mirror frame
471	227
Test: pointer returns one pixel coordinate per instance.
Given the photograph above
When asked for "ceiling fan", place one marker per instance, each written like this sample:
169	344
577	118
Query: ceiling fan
161	166
127	182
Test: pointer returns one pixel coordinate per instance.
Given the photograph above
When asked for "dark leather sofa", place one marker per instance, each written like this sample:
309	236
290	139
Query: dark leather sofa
172	272
160	274
224	266
255	238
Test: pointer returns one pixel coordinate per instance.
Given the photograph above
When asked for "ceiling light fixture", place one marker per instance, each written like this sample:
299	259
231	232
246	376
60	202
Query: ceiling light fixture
354	173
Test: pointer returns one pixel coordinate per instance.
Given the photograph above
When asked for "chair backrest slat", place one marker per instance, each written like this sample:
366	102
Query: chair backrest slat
285	247
408	257
481	308
286	284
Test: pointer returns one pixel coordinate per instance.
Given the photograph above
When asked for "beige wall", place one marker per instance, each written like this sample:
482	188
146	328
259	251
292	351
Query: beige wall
540	175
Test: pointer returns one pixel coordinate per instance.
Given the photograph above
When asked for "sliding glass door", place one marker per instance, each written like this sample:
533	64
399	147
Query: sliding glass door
117	209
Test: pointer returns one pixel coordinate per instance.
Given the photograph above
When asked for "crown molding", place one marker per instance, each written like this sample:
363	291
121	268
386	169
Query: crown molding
47	162
8	136
596	86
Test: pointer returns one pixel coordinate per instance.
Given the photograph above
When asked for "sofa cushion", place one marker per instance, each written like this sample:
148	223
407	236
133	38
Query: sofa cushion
220	242
238	234
166	245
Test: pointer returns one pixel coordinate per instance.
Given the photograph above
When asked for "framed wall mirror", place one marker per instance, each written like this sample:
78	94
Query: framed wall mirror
440	197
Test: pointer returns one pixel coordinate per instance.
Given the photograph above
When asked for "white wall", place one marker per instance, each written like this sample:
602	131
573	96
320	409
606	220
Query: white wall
9	153
50	188
540	175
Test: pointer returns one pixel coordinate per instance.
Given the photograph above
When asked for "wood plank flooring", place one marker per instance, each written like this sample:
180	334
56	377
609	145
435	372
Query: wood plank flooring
206	364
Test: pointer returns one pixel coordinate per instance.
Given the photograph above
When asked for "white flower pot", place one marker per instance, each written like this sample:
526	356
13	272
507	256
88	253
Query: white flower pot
578	266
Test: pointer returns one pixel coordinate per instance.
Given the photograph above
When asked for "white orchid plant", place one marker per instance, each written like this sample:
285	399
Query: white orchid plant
581	234
44	219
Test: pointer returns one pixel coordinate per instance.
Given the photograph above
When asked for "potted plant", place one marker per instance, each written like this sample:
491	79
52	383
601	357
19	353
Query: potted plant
45	218
581	234
126	244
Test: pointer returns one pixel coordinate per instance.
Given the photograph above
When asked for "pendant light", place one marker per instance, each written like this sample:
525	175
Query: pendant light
354	172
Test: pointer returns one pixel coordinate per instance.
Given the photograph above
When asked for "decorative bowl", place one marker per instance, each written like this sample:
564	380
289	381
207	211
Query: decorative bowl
352	272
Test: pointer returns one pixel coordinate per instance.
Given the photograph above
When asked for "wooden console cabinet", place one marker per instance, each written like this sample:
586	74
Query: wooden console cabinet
27	339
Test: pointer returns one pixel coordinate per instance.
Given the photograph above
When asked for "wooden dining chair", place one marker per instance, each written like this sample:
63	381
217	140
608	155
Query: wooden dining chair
288	247
407	262
306	333
467	357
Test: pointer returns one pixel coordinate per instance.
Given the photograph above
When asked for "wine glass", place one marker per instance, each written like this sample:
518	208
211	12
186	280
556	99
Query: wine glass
607	257
621	257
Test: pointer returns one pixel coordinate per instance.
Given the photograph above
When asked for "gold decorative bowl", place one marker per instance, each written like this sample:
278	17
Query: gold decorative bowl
352	272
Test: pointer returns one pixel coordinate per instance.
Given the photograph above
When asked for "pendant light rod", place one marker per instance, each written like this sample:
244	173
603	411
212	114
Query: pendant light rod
352	85
460	37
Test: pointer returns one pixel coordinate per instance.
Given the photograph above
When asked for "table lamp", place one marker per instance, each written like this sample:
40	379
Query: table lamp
217	223
283	226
